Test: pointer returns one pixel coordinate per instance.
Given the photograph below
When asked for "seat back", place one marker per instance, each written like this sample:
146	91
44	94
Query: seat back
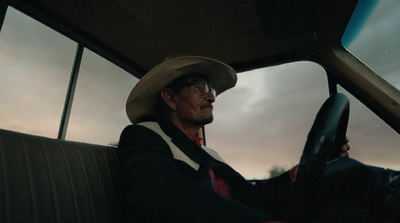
50	180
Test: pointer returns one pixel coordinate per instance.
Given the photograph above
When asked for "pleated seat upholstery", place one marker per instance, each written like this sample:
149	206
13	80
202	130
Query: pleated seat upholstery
50	180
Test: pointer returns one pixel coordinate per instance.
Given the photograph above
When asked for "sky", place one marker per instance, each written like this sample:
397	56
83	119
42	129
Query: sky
260	124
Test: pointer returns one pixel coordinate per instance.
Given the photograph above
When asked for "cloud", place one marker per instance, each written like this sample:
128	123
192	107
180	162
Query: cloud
266	118
35	75
378	43
264	121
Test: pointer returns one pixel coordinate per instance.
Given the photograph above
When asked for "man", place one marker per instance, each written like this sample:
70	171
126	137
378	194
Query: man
168	176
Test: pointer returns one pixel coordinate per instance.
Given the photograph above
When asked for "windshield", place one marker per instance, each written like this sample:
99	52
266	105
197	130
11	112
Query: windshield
373	36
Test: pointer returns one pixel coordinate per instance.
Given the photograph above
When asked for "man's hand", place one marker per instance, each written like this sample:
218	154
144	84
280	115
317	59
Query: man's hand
345	148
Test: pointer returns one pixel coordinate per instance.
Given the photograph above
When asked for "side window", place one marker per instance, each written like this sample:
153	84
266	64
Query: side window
98	112
35	67
263	122
372	141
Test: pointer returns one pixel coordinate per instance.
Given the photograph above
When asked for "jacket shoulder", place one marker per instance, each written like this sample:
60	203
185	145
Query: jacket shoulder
141	139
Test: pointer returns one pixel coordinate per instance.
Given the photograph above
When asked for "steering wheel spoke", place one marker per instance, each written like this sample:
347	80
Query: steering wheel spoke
324	141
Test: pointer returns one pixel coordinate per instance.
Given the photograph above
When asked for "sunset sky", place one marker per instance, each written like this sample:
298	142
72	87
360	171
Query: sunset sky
261	123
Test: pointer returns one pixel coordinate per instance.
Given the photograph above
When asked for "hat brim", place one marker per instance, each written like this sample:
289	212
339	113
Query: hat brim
142	98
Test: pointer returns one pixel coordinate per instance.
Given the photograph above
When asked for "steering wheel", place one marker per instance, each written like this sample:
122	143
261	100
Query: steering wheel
324	141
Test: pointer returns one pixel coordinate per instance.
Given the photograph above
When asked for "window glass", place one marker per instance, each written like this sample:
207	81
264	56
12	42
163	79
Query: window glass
35	67
98	112
372	141
373	36
261	125
263	122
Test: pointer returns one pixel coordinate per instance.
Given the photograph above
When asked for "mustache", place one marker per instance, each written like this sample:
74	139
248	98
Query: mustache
206	106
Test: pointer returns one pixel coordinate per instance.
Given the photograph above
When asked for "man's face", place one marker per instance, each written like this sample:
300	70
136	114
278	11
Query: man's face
193	106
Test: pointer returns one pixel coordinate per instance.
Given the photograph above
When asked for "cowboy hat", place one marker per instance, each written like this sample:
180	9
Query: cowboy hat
142	98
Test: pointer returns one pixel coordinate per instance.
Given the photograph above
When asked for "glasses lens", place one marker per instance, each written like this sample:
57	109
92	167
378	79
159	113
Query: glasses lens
213	91
203	87
206	88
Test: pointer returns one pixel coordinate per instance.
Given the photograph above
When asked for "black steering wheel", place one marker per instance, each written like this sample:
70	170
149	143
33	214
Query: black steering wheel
324	141
346	188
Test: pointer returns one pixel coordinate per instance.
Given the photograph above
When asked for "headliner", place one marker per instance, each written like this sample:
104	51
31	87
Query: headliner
136	35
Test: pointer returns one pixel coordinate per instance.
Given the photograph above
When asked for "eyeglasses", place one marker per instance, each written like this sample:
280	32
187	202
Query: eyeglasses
203	87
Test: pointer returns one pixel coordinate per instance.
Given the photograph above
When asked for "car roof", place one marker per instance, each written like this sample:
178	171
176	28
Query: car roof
136	35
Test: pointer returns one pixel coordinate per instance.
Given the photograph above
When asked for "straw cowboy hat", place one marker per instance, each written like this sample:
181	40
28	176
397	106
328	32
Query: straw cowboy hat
142	99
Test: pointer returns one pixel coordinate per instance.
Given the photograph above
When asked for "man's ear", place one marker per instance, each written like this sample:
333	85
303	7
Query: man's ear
169	98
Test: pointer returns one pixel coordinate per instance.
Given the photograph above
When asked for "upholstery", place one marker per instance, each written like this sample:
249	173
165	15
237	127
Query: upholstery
50	180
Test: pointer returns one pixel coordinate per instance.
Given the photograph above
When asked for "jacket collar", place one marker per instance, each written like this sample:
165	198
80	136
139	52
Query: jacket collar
186	145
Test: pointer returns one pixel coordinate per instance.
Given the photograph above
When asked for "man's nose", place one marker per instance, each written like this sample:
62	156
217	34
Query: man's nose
210	97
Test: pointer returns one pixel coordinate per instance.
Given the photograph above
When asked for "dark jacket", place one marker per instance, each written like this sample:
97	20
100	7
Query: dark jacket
159	188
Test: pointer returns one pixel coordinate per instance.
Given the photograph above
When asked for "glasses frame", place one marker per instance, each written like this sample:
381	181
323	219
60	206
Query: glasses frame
203	87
